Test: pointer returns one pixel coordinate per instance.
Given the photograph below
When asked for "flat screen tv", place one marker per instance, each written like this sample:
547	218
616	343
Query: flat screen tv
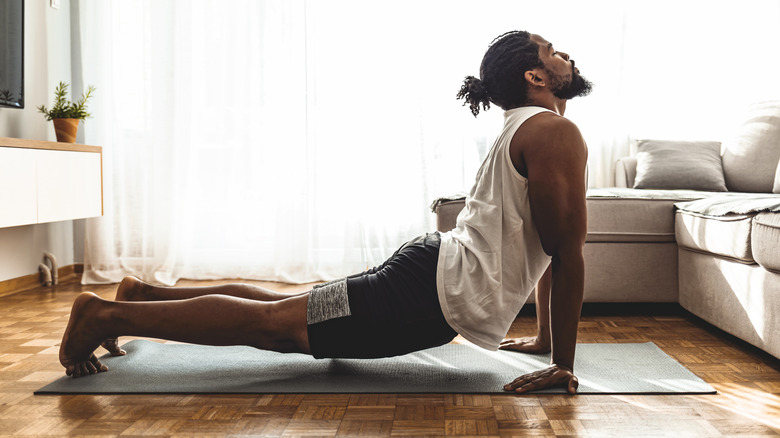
12	53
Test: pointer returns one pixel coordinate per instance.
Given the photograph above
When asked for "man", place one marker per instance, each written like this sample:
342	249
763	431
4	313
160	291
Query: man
525	216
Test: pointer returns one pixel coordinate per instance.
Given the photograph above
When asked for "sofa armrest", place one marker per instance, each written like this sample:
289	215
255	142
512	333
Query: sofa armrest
447	211
625	172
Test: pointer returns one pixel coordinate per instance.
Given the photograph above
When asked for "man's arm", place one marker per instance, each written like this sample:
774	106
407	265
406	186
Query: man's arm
555	156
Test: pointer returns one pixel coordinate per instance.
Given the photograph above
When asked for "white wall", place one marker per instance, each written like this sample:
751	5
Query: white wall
47	56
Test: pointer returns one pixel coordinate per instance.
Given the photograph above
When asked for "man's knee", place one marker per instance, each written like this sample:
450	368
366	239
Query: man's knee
284	326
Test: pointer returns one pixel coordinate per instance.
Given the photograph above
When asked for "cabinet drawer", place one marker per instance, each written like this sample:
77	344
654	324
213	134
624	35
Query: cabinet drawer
69	185
18	187
48	182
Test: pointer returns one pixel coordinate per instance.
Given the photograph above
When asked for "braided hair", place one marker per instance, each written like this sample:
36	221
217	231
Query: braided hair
507	59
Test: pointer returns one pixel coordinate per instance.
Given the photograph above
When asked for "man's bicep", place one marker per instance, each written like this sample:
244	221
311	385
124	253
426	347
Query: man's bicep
558	209
556	187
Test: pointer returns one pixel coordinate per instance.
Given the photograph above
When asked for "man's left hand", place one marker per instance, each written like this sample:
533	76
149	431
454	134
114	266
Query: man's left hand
552	377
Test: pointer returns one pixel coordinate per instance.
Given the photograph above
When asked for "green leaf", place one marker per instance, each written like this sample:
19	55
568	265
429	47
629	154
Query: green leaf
64	108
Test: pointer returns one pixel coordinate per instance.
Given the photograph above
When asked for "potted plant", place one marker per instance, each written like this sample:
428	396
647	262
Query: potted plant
66	114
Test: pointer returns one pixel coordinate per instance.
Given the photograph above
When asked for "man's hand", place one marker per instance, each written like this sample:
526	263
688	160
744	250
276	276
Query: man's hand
530	345
552	377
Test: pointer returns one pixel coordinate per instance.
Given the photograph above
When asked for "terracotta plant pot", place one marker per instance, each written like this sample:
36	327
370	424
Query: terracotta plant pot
66	129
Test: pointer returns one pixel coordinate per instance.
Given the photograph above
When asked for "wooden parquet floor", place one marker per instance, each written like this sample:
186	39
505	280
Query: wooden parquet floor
747	380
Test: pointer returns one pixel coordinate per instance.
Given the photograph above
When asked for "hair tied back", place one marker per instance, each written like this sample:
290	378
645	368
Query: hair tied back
474	92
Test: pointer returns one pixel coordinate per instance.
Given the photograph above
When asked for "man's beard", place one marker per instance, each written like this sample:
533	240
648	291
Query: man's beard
577	86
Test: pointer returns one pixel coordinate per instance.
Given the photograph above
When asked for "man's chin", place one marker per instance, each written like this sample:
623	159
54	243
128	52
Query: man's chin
579	87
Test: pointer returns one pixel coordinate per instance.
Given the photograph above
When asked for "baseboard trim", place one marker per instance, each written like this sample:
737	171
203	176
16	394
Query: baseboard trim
31	281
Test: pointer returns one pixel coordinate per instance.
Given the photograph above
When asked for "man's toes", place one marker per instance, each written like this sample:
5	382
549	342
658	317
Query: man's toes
91	366
81	369
112	345
574	383
99	367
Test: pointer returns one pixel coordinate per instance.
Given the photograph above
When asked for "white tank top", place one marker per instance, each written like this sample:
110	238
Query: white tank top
490	263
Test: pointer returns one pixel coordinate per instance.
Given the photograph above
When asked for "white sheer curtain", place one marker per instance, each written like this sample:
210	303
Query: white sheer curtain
297	140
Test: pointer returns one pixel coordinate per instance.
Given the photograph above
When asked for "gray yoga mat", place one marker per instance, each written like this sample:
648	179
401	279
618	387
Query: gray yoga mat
152	367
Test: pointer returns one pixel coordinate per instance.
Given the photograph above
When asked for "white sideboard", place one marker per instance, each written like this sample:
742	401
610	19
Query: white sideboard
43	181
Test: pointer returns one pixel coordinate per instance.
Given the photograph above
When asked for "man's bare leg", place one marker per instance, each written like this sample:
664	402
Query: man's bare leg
540	343
133	289
209	320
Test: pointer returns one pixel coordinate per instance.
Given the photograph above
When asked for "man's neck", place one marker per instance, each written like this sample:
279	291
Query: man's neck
550	102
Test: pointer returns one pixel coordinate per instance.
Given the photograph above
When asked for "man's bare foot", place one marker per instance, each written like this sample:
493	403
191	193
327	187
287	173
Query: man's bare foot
130	289
530	344
82	336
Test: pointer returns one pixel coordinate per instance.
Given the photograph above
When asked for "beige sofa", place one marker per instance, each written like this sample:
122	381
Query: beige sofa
716	253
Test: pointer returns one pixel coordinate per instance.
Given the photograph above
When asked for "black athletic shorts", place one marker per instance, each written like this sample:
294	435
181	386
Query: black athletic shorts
389	310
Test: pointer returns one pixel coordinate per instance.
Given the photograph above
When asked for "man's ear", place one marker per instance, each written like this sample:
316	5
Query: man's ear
535	77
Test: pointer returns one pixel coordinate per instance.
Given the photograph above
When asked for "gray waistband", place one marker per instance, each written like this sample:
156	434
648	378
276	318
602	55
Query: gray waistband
328	301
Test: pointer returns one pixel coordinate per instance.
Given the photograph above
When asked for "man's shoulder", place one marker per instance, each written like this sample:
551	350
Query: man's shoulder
548	121
548	130
546	140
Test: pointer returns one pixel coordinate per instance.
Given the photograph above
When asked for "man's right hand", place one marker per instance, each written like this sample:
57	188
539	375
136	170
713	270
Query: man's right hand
553	377
530	345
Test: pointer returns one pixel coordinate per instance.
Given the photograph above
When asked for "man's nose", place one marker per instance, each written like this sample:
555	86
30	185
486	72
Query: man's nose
564	55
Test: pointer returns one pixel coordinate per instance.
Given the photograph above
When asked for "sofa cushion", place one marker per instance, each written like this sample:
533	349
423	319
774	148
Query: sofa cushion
721	204
692	165
630	220
634	215
776	187
726	236
625	172
751	154
765	240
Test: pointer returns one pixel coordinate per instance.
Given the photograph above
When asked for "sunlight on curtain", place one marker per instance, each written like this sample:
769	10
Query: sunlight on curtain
297	140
